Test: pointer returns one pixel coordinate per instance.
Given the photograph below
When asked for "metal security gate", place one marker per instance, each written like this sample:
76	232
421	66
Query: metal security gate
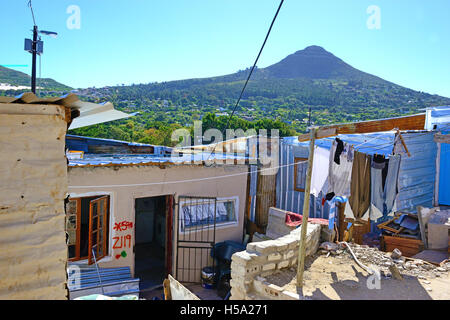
196	235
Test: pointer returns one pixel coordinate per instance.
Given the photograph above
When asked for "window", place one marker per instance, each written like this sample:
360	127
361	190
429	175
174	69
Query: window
87	221
300	167
202	214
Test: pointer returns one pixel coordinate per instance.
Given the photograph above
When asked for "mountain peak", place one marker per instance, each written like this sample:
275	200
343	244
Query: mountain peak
313	62
313	49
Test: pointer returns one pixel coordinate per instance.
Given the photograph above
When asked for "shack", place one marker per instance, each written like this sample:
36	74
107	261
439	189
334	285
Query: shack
157	215
422	173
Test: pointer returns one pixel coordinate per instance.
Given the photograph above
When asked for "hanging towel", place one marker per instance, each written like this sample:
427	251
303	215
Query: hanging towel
319	170
339	175
359	199
384	188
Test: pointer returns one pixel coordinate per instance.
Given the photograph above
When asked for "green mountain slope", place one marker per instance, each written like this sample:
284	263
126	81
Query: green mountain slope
17	78
281	93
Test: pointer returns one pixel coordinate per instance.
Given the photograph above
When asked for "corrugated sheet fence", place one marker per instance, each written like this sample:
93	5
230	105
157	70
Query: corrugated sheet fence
417	173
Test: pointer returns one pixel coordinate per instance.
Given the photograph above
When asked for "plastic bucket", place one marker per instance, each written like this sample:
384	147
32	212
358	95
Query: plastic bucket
208	277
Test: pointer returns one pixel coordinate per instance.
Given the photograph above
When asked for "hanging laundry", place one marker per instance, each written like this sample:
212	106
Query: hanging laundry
391	185
333	211
359	199
378	161
350	153
384	188
319	170
339	175
337	152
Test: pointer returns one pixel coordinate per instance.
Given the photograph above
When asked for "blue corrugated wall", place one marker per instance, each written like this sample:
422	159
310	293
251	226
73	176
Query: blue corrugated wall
444	174
416	177
417	173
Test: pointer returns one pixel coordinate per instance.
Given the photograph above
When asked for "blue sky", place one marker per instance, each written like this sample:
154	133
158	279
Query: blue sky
141	41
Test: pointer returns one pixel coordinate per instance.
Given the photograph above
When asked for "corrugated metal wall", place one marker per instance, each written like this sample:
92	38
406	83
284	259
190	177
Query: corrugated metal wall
444	174
416	176
417	173
33	184
287	198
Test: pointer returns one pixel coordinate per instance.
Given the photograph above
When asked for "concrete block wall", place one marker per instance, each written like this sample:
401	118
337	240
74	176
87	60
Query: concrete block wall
248	268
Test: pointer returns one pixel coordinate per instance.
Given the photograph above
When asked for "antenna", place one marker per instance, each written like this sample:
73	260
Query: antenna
36	46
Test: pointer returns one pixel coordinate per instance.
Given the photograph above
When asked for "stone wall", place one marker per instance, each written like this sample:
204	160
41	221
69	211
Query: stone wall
248	268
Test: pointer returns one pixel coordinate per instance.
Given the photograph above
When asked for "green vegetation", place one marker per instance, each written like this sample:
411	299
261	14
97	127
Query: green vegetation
17	78
278	96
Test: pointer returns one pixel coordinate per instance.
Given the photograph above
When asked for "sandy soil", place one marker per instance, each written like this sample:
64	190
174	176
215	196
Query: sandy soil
340	278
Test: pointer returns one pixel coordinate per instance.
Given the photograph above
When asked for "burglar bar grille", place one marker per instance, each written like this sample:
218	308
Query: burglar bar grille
196	233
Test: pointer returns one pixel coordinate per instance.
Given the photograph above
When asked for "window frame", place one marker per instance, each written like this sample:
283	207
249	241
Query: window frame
78	230
198	227
107	226
98	230
296	161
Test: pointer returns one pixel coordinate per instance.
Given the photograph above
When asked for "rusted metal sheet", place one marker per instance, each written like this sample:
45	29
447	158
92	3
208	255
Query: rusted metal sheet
413	122
33	181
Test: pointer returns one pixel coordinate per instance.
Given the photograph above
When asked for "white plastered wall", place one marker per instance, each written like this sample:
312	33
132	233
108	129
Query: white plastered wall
89	181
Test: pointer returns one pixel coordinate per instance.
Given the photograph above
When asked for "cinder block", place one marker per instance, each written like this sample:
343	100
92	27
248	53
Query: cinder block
289	254
283	264
280	245
290	240
237	294
241	286
293	262
268	266
287	295
274	256
273	291
240	271
265	247
242	257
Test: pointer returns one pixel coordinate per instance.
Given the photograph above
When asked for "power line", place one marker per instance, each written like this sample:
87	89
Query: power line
251	72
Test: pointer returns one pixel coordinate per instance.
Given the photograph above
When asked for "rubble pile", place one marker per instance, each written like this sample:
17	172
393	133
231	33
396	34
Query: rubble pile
385	261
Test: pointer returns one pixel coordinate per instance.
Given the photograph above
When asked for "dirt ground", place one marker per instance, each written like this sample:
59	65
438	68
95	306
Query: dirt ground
340	278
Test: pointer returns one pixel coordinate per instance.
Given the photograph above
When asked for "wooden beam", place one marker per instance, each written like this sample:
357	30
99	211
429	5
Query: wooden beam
403	142
305	212
413	122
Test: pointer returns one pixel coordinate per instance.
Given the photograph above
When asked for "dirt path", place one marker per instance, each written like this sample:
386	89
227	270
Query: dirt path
340	278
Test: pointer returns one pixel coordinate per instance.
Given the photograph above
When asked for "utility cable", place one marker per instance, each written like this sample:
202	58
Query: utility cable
250	73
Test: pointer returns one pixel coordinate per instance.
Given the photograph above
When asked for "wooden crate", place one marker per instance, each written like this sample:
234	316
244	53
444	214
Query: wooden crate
408	247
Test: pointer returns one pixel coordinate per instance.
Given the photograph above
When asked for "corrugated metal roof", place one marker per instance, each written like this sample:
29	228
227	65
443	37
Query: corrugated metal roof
90	113
370	143
113	141
91	160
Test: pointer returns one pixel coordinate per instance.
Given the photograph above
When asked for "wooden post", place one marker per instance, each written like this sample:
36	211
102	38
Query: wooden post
302	246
